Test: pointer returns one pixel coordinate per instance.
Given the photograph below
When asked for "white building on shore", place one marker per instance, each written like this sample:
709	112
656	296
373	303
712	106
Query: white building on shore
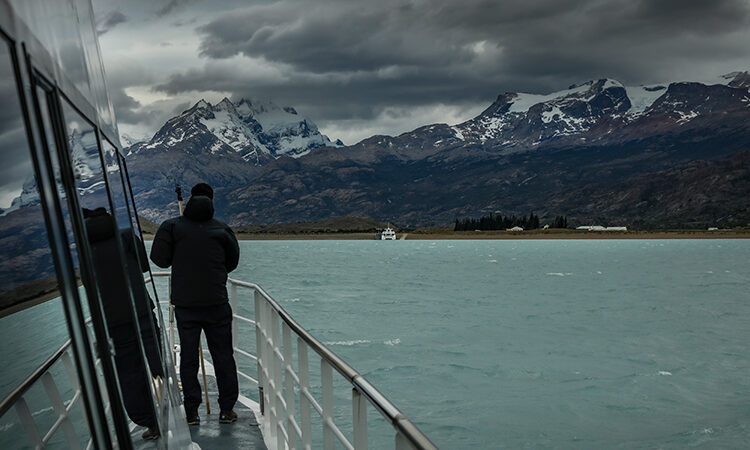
601	228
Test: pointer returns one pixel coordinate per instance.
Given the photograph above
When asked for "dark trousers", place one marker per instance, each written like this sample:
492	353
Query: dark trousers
136	393
216	322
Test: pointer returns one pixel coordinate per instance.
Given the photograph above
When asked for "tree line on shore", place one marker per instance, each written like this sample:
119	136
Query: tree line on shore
500	222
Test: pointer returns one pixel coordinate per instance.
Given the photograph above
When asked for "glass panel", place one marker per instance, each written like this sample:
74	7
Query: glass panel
45	110
136	258
27	272
66	30
94	63
114	178
84	156
110	246
55	24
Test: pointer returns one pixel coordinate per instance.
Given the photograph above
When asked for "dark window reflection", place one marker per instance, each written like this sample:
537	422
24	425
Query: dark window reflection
135	252
84	157
27	272
112	166
57	174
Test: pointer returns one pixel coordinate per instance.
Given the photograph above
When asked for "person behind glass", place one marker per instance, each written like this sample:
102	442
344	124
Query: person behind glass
110	276
202	251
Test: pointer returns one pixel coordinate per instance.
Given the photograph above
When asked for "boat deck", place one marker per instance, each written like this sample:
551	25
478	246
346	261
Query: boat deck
244	434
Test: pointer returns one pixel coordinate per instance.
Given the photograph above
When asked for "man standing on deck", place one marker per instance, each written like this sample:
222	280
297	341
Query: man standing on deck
201	251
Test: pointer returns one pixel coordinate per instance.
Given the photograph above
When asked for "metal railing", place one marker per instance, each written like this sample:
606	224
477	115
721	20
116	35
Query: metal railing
17	401
285	394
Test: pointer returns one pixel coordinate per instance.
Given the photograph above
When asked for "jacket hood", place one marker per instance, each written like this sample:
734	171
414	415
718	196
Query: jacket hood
199	208
100	228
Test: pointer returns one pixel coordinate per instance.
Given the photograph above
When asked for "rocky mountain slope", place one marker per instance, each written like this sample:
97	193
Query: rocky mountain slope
692	195
542	153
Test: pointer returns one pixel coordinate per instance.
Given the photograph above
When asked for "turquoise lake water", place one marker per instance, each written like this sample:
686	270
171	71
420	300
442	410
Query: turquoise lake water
526	344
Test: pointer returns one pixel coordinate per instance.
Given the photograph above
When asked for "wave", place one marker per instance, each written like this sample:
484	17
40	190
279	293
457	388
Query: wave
392	342
348	343
559	274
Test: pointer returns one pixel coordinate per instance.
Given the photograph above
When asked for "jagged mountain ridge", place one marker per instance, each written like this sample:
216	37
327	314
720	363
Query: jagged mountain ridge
593	112
519	155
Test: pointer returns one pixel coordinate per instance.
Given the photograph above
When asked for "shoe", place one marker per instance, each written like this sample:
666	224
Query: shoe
151	434
193	418
227	417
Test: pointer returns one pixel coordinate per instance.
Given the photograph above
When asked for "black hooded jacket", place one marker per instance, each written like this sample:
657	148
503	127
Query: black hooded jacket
109	273
201	250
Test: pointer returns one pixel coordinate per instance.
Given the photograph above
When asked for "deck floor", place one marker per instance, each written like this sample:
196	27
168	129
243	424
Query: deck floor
243	434
210	434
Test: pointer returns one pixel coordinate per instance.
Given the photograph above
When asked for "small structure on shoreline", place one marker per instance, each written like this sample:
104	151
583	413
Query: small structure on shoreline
601	228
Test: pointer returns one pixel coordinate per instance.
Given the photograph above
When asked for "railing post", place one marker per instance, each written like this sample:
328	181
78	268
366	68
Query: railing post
326	381
304	386
59	407
68	363
171	320
233	303
289	385
359	419
27	421
278	376
270	390
259	325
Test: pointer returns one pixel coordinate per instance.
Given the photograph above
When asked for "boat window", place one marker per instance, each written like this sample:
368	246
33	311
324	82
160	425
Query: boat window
119	258
65	30
80	139
150	227
131	238
112	166
55	25
85	160
27	271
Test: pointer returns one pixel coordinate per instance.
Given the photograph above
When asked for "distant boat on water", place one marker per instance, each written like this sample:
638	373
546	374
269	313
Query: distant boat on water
386	235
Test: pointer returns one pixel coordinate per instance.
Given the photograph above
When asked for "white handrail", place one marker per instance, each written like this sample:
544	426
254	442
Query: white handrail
277	380
17	400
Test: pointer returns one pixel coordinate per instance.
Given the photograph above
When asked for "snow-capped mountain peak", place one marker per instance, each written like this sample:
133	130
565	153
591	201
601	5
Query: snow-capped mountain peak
258	131
202	104
596	108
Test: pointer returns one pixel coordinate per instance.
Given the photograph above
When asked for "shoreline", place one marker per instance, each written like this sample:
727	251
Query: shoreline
498	235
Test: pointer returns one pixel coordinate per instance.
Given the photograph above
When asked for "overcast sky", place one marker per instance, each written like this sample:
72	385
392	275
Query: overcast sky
359	68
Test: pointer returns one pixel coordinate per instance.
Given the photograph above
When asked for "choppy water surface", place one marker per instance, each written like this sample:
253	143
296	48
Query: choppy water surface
540	344
515	344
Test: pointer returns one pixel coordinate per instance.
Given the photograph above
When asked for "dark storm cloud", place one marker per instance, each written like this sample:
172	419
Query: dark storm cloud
110	21
171	6
361	95
581	36
125	106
